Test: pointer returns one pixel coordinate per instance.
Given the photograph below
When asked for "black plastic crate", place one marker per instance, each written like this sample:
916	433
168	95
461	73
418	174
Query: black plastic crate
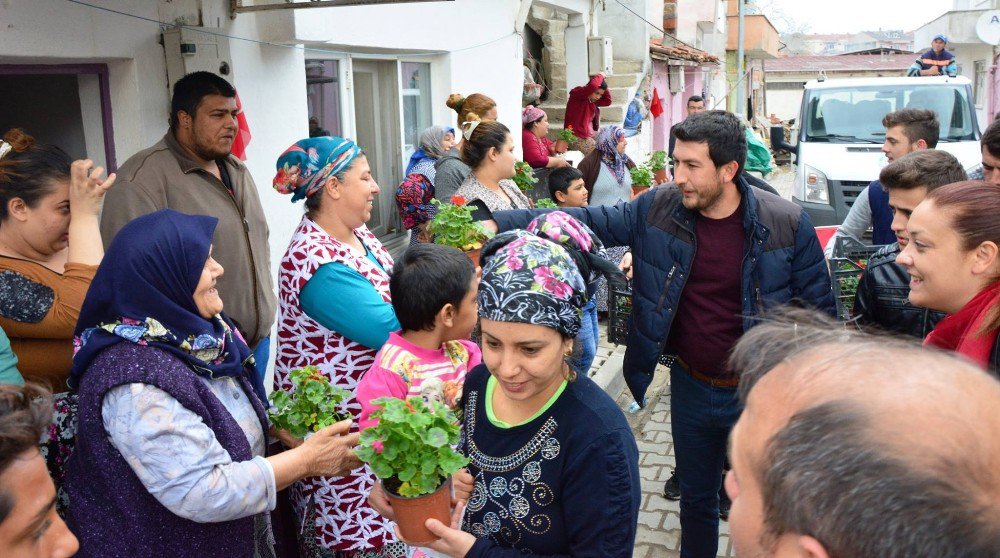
846	276
619	313
847	247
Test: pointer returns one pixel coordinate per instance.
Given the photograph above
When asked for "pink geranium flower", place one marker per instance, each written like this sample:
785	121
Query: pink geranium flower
377	446
551	284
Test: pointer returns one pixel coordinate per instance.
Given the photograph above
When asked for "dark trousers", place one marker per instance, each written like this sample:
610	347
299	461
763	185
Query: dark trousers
701	418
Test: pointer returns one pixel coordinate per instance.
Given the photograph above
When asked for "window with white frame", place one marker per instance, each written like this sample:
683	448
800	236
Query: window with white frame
979	85
416	88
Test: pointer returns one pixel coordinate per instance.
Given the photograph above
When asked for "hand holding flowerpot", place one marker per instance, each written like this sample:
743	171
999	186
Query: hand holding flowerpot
330	452
411	451
453	225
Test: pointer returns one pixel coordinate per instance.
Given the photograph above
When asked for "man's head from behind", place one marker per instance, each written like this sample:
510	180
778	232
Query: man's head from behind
909	130
709	154
29	524
203	115
990	146
856	446
910	178
695	104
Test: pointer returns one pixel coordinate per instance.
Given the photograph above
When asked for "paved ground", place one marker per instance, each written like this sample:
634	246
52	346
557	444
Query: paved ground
659	534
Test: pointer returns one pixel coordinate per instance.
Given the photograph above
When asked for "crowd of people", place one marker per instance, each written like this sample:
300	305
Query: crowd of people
144	301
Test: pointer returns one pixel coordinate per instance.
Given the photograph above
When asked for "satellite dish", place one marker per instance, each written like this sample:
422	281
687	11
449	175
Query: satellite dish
988	27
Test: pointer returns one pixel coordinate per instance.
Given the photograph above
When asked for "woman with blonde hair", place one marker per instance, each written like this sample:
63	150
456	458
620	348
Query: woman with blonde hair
451	169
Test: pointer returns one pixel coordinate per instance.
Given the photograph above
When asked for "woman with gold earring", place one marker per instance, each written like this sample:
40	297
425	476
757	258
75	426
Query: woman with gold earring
554	460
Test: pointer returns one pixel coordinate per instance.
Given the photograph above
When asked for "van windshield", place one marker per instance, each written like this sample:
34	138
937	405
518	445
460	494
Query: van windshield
853	115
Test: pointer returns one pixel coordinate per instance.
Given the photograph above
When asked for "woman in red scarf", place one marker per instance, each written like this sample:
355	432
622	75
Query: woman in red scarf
953	258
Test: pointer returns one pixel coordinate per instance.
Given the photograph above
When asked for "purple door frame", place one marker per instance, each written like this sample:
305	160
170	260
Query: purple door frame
101	70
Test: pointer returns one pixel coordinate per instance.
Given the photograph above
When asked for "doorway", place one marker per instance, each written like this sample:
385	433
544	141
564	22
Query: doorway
76	114
376	117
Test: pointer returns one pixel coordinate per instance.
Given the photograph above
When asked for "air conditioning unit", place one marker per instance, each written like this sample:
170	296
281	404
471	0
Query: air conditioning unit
189	50
599	51
675	78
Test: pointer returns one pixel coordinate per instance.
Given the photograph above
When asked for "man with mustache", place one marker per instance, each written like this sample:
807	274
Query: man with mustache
192	170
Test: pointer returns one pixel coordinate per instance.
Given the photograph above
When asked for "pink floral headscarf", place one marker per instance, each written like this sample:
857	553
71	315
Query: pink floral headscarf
527	279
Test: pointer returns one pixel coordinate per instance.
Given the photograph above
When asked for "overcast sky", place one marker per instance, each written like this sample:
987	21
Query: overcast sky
849	16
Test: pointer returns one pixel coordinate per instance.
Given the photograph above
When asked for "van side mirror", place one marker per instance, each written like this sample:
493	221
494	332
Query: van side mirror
778	141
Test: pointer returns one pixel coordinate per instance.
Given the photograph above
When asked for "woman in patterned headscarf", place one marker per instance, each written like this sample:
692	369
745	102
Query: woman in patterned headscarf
414	194
607	178
554	460
334	313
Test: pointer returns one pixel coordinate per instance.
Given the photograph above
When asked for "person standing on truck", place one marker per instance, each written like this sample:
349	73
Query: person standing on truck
936	61
192	170
906	131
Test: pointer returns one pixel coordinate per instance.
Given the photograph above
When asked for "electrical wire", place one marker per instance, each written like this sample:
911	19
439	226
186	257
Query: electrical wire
661	31
279	45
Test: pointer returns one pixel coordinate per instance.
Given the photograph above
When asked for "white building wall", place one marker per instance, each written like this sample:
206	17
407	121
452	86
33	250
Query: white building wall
631	34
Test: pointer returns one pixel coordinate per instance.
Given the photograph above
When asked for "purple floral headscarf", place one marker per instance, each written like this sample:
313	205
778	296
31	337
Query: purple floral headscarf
527	279
582	244
607	145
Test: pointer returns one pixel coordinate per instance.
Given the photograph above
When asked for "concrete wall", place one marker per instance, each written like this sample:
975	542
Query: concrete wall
631	34
481	51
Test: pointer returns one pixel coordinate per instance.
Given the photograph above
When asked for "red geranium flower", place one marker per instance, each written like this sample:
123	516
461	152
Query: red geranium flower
458	200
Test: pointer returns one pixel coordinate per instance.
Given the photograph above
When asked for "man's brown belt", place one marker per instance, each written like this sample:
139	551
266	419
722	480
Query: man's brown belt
710	380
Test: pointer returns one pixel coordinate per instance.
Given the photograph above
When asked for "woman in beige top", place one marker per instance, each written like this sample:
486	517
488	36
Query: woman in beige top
50	246
489	150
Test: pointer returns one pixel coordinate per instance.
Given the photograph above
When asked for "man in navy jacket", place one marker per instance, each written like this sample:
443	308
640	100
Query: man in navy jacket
710	255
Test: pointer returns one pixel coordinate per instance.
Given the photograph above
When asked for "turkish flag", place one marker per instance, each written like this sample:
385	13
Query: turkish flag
656	107
242	138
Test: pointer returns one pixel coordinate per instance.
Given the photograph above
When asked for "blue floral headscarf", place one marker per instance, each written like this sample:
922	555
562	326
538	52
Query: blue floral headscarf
306	165
607	145
527	279
143	293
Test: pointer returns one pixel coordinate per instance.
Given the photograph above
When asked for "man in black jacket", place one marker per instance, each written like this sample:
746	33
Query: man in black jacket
882	297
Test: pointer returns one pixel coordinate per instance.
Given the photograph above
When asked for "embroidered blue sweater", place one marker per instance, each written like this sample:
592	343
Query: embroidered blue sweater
563	484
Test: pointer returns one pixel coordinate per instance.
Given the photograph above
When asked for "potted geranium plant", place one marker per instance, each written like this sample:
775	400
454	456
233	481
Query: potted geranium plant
312	406
658	164
563	139
524	176
411	450
453	225
642	178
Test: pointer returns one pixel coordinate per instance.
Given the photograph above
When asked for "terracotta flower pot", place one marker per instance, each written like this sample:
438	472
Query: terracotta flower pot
561	146
660	176
474	256
412	513
636	190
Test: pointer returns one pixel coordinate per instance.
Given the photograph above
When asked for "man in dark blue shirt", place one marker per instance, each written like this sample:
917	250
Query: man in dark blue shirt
935	62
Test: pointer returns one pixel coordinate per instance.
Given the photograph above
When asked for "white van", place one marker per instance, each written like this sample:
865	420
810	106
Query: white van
840	135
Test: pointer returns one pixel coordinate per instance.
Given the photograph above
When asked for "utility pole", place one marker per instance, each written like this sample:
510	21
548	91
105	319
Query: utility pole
741	101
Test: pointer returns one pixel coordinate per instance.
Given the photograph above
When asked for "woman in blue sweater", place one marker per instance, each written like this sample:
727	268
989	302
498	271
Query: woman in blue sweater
554	460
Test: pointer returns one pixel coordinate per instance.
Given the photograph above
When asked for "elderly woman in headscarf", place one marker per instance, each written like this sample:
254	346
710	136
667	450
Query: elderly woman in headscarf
554	460
539	150
608	181
169	458
334	312
414	194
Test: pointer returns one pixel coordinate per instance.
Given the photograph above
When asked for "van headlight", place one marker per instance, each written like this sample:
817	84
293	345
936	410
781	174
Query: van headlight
812	185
